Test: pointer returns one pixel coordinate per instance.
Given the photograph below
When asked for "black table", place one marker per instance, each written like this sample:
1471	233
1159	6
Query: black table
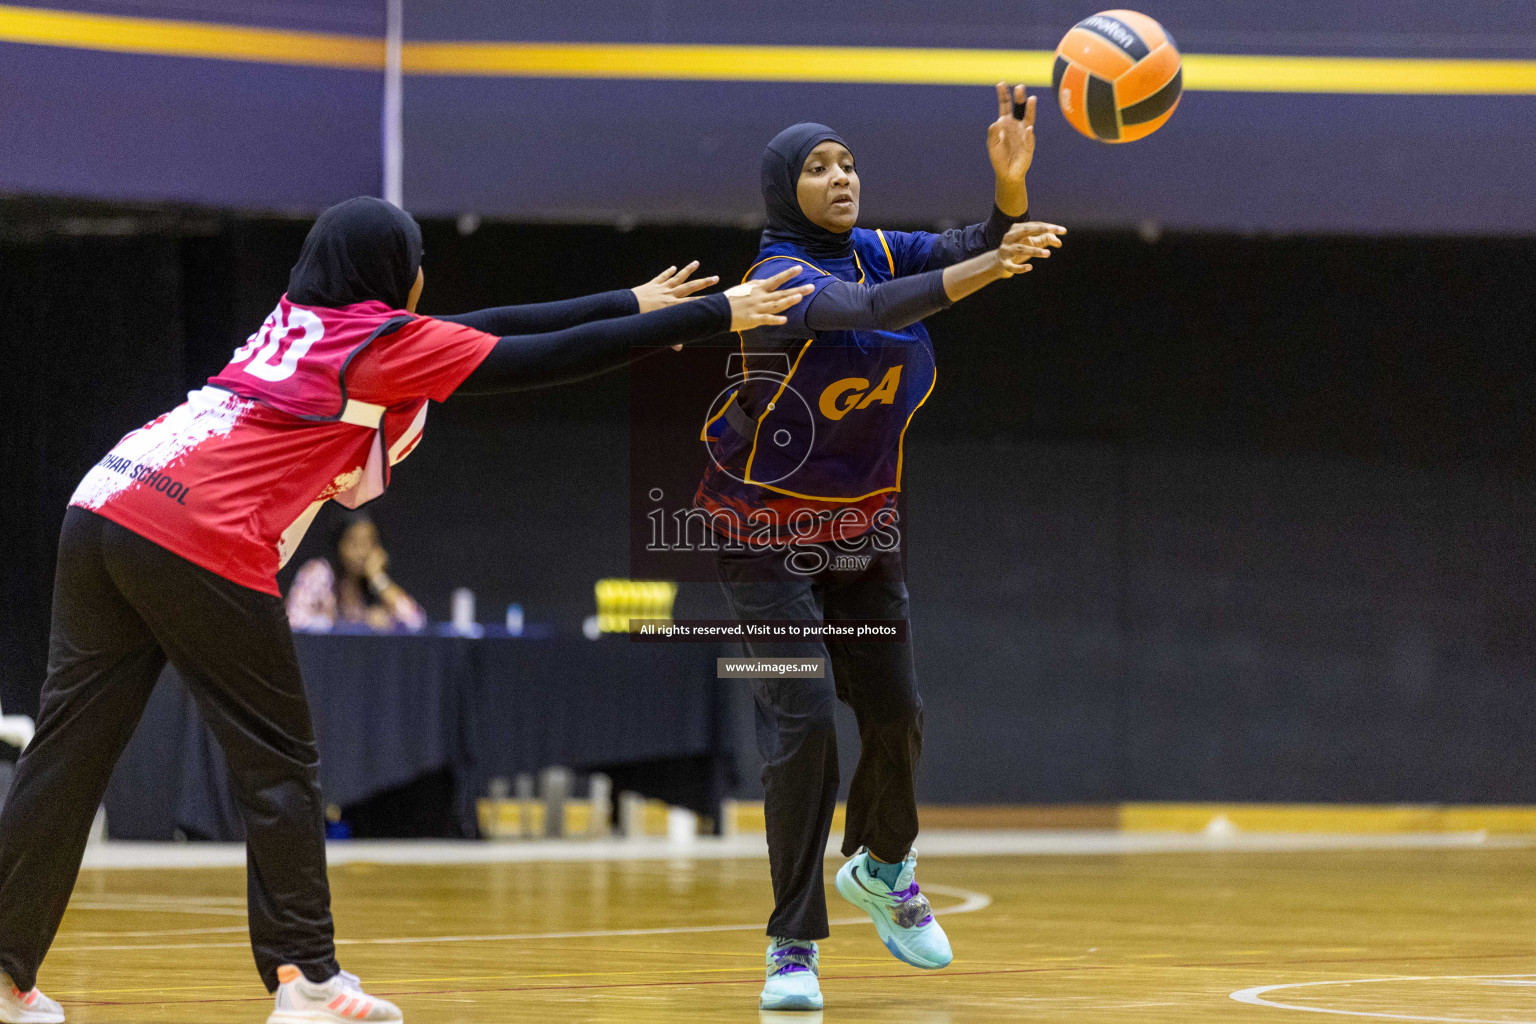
393	709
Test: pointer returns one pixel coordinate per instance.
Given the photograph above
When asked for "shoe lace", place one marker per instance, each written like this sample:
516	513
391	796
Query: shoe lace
350	980
911	909
792	959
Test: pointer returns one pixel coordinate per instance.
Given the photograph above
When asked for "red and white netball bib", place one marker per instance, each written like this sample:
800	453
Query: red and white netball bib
318	404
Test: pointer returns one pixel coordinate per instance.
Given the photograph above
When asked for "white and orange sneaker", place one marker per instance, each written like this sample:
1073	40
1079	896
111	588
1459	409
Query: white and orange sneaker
18	1007
301	1001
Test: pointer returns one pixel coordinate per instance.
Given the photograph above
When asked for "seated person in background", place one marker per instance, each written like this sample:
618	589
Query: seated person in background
359	593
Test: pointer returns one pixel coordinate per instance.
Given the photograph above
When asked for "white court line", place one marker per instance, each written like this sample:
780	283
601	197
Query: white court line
156	908
160	933
1255	996
148	901
932	843
970	902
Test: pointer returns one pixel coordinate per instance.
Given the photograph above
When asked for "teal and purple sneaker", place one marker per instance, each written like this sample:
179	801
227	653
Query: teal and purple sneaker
901	913
793	982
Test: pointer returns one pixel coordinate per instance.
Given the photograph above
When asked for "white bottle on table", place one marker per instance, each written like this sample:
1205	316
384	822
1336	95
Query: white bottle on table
464	611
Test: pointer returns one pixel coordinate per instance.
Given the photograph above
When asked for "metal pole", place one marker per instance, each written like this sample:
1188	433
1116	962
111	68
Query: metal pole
394	109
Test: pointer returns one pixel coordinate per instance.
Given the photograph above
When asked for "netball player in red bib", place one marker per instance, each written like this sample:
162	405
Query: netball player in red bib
172	543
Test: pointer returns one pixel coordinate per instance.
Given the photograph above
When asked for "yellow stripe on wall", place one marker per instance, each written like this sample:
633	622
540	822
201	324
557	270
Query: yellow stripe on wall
832	64
867	64
1382	75
906	66
167	38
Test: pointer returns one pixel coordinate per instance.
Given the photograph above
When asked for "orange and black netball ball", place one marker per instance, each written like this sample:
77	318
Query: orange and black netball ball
1118	76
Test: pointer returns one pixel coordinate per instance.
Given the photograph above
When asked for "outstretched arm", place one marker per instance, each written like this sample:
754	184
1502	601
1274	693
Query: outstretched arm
524	362
892	305
538	317
1022	243
669	287
956	244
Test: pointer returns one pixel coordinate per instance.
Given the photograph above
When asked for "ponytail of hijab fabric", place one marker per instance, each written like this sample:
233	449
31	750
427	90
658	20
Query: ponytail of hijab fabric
360	250
782	162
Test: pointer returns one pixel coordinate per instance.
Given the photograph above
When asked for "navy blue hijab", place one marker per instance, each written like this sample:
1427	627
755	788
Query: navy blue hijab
358	250
782	162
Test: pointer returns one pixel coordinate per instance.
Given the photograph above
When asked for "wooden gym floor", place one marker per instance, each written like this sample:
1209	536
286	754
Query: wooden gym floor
1434	934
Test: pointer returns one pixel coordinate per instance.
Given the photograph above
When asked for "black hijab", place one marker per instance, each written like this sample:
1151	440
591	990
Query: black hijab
782	162
358	250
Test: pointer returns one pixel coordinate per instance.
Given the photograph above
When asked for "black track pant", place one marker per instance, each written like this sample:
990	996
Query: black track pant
121	606
797	736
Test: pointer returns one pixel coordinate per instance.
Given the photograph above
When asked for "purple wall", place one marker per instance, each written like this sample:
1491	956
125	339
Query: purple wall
1404	28
220	133
261	136
353	17
589	150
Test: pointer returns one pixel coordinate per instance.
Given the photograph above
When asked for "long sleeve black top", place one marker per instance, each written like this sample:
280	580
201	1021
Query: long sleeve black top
892	305
521	362
538	317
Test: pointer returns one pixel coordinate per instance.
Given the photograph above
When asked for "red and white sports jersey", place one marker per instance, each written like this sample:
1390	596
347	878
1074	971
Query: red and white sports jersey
318	404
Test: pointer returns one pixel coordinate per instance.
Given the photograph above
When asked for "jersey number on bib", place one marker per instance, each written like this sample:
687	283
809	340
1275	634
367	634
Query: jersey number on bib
273	361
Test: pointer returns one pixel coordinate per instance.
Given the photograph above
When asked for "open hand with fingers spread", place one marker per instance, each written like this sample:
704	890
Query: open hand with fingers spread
1011	147
1027	241
1011	138
670	287
759	303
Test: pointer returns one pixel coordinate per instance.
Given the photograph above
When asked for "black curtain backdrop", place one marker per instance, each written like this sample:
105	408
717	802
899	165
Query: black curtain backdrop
1205	517
93	343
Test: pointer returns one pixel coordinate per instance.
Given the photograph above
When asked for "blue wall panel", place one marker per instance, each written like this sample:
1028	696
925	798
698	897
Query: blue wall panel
247	134
1408	28
690	150
223	133
1231	161
361	17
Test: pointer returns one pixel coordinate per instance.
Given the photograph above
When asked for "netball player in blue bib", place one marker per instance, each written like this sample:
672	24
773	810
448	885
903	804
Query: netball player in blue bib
806	466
